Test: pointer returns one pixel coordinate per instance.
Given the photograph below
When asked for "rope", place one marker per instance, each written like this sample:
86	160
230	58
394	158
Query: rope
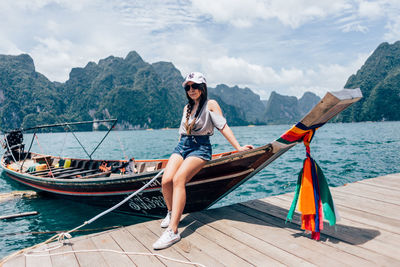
60	231
113	251
61	236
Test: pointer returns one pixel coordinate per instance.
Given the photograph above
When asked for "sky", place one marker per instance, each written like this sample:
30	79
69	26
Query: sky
287	46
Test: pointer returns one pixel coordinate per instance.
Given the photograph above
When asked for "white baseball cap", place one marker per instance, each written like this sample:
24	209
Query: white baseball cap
195	77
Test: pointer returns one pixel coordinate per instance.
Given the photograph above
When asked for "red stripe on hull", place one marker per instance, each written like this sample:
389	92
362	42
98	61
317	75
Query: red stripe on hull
76	193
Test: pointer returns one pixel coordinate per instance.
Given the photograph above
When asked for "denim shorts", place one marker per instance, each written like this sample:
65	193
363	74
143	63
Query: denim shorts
194	146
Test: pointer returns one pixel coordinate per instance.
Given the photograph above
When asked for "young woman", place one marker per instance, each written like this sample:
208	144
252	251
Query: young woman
200	116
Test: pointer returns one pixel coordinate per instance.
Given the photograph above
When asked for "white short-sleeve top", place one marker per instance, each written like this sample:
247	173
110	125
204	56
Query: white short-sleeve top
205	122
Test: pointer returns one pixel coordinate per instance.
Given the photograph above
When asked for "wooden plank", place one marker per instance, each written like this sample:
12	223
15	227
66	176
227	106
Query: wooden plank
355	233
190	246
68	259
383	183
236	247
273	206
69	170
392	177
75	173
46	171
256	243
59	171
147	238
105	241
383	224
276	235
23	214
376	221
352	213
17	194
130	244
371	192
18	261
88	258
369	205
38	261
321	248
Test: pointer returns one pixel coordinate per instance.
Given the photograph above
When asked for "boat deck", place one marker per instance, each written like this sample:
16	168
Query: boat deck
254	233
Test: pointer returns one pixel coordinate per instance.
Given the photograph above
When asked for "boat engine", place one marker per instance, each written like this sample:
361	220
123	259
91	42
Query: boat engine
13	143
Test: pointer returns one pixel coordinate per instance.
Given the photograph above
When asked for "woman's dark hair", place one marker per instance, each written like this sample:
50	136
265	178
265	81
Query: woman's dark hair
203	99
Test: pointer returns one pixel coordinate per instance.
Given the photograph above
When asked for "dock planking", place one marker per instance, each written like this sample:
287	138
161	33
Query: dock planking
253	233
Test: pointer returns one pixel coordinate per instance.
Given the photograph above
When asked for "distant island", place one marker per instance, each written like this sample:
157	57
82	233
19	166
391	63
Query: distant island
143	95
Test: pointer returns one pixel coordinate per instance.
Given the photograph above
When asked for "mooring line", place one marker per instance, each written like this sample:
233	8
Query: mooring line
61	236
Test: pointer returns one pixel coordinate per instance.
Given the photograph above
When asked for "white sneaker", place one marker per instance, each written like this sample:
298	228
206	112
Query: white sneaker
167	219
167	239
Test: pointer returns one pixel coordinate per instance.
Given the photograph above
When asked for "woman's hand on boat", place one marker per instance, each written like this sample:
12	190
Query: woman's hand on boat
245	147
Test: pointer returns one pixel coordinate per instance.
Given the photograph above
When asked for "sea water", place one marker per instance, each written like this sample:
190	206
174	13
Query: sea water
345	152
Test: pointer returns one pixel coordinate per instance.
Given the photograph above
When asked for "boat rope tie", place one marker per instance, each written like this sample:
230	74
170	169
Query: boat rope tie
62	236
312	190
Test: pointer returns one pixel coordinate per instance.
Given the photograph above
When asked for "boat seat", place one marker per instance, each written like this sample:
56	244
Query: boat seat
59	172
152	166
140	167
87	164
95	165
80	164
70	175
97	175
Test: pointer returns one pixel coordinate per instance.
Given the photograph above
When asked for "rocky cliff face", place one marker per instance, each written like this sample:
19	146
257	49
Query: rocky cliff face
379	81
247	102
288	109
26	96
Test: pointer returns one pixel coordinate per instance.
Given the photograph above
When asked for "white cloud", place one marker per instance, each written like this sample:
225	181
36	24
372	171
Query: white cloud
393	33
369	9
354	26
293	13
34	5
392	11
293	81
7	46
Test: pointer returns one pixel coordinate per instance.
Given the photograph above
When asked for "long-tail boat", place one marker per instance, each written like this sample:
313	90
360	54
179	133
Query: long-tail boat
106	182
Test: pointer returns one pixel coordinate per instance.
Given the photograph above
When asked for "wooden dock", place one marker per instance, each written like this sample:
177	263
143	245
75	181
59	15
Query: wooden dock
254	233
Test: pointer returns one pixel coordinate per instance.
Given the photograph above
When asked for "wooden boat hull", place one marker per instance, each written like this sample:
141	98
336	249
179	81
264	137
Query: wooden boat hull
221	175
217	178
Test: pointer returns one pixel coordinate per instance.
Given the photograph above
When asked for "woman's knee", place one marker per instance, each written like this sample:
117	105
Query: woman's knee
178	180
166	180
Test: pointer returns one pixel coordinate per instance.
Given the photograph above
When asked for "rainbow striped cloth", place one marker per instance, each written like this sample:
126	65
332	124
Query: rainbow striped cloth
312	190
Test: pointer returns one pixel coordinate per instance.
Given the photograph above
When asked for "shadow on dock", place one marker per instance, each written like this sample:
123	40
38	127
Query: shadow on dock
269	215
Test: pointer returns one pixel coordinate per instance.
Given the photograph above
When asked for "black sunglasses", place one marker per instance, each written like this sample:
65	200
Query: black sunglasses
194	86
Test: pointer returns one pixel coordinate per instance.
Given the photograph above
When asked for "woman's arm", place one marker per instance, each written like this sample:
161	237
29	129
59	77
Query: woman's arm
226	130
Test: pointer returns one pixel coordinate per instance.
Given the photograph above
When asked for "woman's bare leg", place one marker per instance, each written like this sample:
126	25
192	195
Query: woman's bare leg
186	171
173	165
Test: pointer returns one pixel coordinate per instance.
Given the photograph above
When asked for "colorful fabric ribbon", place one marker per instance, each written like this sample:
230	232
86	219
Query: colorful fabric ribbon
312	190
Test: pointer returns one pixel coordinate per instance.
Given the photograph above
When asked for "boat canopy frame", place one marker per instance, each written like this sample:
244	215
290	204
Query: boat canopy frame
67	126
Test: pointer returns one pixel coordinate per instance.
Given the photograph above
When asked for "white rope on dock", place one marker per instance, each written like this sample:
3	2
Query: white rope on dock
112	251
61	236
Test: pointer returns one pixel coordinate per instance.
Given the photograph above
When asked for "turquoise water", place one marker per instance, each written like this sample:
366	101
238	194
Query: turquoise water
346	153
